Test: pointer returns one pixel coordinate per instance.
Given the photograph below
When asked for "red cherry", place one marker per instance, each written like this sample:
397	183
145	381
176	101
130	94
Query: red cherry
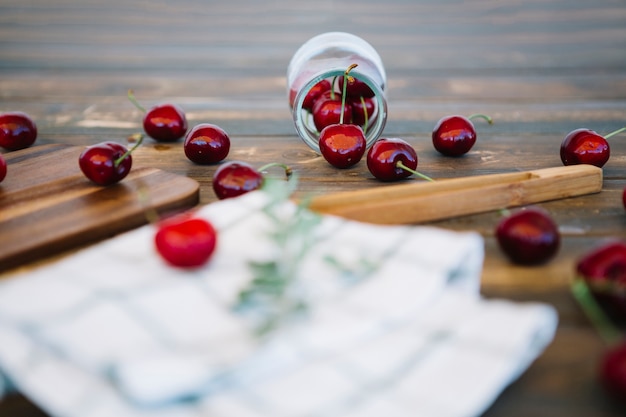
108	162
327	110
342	145
185	241
387	157
456	135
528	237
356	88
612	371
206	144
604	270
3	168
235	178
17	131
314	93
584	146
98	163
362	111
164	123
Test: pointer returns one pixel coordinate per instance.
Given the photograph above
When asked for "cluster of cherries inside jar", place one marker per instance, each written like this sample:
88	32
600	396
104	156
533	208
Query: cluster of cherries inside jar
527	237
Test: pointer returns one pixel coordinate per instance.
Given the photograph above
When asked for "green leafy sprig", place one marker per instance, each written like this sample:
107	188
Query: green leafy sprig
275	295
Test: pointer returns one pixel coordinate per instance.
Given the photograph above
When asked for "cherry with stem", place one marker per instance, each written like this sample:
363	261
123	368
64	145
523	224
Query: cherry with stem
584	146
342	145
456	135
235	178
612	367
392	159
328	110
107	162
164	122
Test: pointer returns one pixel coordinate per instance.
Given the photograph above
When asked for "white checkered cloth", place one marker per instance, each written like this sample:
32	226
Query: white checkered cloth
113	331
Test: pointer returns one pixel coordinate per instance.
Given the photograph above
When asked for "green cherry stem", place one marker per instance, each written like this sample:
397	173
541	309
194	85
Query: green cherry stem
139	138
481	116
365	115
345	89
615	133
287	168
131	97
401	165
332	88
608	331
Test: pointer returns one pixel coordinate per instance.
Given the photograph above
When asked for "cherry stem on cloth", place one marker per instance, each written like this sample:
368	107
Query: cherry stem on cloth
346	77
615	133
481	116
139	138
131	97
401	165
288	170
608	331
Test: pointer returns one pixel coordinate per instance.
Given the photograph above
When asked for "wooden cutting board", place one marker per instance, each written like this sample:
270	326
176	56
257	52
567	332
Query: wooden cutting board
47	205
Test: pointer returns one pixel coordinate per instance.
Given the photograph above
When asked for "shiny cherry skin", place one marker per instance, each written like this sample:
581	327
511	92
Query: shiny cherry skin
314	93
361	108
97	162
528	237
327	111
384	155
584	146
612	371
3	168
165	123
17	131
235	178
356	88
604	270
454	135
185	242
206	144
342	145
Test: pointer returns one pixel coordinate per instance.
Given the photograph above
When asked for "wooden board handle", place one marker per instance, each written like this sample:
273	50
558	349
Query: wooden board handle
427	201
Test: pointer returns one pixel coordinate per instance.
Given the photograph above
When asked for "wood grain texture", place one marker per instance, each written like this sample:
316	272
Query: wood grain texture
445	199
47	205
540	68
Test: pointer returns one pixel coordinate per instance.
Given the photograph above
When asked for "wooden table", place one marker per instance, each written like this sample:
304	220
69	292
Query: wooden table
540	69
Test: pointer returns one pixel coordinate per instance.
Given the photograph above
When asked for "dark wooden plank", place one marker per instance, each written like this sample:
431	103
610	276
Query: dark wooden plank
48	206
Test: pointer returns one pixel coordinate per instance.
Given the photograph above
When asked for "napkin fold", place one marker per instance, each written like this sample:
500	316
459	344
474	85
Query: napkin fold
373	320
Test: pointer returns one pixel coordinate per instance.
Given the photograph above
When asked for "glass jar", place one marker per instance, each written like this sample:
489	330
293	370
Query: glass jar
326	57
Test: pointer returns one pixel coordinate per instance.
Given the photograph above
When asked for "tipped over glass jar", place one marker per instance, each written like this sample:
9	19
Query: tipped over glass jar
316	73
